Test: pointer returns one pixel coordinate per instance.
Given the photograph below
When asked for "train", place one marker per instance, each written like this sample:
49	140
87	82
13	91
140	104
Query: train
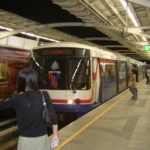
12	60
80	77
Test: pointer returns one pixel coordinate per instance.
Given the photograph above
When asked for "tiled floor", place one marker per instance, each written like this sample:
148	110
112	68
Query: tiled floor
123	125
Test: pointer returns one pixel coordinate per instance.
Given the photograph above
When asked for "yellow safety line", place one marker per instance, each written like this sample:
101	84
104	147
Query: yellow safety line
90	123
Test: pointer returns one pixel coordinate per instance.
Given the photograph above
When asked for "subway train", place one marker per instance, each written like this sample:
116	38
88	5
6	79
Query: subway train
12	59
79	77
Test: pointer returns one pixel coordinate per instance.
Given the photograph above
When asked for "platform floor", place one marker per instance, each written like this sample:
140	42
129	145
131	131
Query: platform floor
119	124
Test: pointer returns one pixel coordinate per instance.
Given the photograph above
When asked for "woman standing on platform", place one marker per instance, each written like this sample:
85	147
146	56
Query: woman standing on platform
28	105
133	87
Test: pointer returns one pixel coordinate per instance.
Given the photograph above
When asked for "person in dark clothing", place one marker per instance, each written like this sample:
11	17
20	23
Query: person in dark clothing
28	105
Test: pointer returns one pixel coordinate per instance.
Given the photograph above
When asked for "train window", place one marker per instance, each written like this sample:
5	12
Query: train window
122	78
79	73
56	68
61	69
11	61
8	74
110	71
122	71
3	71
64	73
129	69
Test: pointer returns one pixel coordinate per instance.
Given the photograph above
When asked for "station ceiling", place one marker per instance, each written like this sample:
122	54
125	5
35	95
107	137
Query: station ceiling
104	23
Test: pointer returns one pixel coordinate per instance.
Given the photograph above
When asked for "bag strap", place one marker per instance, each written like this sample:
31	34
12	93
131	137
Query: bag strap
43	99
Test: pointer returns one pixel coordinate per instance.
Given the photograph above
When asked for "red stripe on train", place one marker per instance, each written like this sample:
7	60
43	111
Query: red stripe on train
59	101
102	60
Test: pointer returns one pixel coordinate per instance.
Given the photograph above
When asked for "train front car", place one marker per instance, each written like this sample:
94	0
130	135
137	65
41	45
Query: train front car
65	72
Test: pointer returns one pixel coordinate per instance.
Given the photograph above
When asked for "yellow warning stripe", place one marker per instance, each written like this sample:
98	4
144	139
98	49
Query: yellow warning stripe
90	123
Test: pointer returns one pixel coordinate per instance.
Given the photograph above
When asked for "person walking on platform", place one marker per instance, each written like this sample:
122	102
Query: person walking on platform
28	104
133	88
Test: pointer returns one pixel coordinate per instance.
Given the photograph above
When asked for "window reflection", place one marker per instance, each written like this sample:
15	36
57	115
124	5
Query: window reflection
79	73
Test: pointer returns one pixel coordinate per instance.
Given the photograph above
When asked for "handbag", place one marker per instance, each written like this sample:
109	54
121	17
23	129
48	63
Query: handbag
46	115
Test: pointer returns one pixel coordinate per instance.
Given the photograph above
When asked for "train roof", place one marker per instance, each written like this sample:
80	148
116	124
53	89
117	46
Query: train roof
65	44
95	51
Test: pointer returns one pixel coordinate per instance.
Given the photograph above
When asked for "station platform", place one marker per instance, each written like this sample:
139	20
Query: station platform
119	124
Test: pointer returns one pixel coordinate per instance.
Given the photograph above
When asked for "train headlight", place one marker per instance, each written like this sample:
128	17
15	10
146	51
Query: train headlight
70	101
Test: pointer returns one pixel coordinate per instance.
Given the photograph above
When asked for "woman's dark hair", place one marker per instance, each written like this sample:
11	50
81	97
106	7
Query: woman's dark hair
27	78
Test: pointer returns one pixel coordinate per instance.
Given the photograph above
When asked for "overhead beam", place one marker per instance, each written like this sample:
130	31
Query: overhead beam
4	34
135	15
148	13
98	39
113	8
145	3
117	13
138	33
130	53
113	45
122	50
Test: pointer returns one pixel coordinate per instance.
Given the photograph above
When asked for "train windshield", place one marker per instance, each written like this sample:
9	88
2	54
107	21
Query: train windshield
62	72
79	73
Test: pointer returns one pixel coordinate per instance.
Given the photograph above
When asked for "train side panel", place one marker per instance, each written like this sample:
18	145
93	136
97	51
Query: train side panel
11	61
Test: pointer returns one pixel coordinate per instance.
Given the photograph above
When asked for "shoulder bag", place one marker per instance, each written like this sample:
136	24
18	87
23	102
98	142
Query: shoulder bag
46	114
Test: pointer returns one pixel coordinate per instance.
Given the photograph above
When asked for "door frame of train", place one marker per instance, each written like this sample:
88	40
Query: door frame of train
96	80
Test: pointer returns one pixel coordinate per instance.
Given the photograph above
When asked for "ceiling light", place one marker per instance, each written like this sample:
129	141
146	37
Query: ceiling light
124	3
30	34
144	38
8	29
37	36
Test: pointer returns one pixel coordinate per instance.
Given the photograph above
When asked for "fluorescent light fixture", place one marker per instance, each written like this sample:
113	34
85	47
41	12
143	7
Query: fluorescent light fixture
37	36
30	34
144	38
8	29
124	3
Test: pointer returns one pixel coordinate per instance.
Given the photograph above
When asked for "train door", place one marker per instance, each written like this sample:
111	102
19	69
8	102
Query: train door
122	75
108	79
140	72
129	70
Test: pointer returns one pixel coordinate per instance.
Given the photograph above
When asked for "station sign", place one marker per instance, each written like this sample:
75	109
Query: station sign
147	48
